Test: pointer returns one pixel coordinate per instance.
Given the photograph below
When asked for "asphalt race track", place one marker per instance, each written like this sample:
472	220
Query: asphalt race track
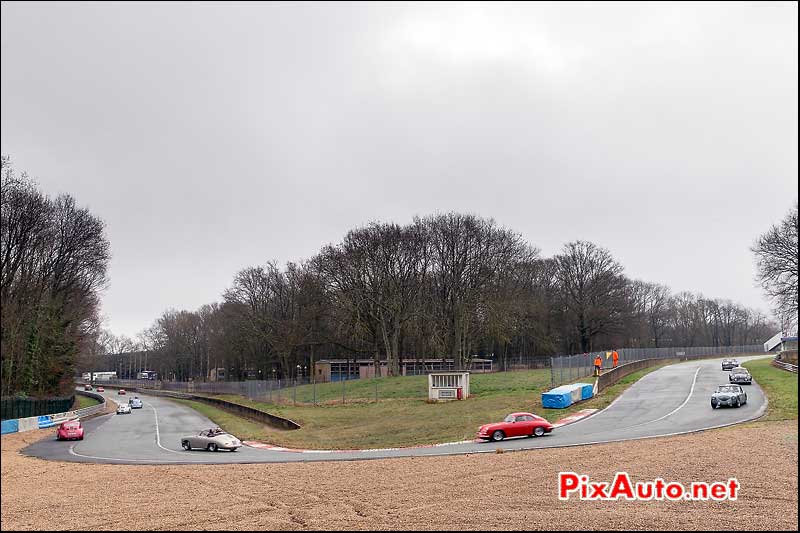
674	399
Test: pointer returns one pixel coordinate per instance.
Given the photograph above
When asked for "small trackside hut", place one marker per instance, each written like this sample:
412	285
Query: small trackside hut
448	385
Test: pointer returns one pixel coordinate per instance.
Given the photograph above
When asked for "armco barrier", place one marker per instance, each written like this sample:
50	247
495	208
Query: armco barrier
47	421
235	408
612	376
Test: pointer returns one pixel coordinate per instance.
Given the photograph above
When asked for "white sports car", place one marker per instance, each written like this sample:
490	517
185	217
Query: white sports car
211	440
123	409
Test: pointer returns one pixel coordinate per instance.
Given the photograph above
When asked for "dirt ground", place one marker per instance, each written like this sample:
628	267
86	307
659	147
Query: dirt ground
478	492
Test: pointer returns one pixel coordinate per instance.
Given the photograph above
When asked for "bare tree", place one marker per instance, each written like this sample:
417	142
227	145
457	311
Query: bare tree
54	257
776	257
593	290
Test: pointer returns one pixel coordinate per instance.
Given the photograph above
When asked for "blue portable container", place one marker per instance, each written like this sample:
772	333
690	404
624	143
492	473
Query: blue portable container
587	390
557	398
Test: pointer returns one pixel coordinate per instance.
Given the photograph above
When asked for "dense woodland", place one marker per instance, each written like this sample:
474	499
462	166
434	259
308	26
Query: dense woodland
445	286
54	259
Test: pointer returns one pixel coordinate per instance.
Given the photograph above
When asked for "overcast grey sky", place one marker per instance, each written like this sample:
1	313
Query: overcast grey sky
211	137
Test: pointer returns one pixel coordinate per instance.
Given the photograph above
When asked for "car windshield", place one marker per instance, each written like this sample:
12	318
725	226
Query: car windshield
727	389
509	418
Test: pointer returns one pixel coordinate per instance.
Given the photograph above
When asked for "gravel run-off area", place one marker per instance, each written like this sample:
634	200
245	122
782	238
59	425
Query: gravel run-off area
474	492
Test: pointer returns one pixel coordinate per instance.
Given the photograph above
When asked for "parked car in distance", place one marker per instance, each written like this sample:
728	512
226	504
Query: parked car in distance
728	364
121	391
87	387
101	389
69	430
732	395
515	425
740	375
123	409
135	403
212	440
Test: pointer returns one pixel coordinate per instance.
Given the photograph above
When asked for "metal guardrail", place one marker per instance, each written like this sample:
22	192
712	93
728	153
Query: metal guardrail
567	368
47	421
785	366
231	407
87	411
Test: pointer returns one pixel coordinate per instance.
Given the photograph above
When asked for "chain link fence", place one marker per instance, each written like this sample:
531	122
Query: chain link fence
568	368
303	390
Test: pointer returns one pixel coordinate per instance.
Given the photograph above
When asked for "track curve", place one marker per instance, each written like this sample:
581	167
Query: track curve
668	401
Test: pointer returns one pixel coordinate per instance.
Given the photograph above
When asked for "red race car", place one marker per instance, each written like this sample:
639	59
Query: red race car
100	389
69	430
121	391
516	425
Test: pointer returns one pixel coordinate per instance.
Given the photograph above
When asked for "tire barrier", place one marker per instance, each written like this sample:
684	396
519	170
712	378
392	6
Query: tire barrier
48	421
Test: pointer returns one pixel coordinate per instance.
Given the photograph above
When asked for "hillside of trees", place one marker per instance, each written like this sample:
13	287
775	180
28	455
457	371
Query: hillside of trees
54	257
444	286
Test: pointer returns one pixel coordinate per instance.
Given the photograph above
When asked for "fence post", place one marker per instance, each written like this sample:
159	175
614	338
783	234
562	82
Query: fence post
376	389
569	362
552	374
314	388
342	390
561	366
294	392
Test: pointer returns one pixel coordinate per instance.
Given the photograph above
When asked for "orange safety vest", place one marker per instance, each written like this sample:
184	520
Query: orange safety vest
615	355
598	362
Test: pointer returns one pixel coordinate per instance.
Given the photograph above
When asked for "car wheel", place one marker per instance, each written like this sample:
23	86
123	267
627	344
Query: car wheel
212	447
713	405
186	445
233	449
538	431
498	435
80	438
738	403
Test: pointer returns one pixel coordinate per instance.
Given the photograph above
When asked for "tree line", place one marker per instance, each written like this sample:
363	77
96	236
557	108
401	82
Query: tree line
444	286
54	258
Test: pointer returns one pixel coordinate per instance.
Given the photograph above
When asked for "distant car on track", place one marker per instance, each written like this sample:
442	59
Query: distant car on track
87	387
101	389
515	425
69	430
728	364
135	403
740	375
732	395
212	440
121	391
123	409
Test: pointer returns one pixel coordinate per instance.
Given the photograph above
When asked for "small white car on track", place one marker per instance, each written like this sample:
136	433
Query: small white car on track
123	409
212	440
731	395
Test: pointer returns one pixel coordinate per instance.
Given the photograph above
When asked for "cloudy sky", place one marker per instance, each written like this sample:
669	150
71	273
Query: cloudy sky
211	137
